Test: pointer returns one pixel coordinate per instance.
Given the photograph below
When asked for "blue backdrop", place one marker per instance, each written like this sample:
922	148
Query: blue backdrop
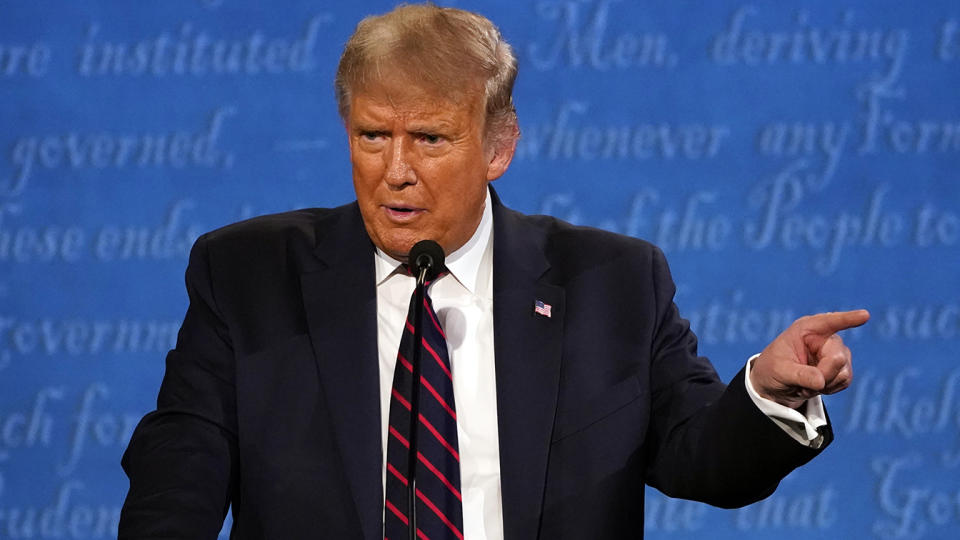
788	157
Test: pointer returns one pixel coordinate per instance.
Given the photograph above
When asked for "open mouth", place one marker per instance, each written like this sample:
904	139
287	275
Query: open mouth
402	212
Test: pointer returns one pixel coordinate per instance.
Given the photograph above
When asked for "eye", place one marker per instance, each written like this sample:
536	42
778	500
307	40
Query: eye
430	138
371	135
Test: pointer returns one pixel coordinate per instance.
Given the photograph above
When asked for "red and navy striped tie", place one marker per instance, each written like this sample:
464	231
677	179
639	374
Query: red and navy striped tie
439	507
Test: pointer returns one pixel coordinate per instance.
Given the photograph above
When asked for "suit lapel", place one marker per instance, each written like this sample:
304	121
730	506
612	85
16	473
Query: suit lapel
528	351
340	302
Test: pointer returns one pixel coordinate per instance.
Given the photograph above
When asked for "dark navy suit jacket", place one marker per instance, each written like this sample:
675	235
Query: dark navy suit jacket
270	401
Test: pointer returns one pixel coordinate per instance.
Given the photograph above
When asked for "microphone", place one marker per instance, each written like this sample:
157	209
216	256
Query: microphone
426	259
426	255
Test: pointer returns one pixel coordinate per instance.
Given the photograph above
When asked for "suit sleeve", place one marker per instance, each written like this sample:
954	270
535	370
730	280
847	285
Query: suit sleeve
708	441
181	460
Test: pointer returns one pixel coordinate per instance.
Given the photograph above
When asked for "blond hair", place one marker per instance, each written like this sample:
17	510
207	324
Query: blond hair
445	49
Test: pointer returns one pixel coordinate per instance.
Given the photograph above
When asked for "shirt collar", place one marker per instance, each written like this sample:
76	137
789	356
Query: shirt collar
463	264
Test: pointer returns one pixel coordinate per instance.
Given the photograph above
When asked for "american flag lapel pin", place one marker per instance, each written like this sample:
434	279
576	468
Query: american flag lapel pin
541	308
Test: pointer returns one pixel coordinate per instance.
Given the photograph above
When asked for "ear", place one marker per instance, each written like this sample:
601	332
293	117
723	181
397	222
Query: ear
502	154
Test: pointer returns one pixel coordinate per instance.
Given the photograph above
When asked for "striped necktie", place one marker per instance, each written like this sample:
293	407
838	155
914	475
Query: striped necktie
439	509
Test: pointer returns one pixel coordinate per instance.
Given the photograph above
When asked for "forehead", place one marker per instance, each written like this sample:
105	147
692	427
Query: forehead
409	101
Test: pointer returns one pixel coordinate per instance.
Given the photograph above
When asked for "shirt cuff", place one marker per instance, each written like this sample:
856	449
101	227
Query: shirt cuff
803	427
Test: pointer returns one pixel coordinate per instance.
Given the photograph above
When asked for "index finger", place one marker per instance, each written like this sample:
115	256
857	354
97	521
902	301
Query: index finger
826	324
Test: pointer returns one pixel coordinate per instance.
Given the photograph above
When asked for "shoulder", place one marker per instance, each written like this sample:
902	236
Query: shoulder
574	247
273	227
254	266
592	265
267	248
260	237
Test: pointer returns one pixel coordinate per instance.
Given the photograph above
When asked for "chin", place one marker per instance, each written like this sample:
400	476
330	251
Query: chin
398	248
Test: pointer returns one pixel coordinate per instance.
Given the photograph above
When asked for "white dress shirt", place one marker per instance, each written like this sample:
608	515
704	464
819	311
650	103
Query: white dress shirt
463	300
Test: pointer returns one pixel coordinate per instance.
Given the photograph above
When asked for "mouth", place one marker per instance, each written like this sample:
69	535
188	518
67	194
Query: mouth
402	213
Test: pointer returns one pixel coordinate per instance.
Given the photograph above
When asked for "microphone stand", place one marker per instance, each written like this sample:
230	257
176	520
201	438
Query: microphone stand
412	456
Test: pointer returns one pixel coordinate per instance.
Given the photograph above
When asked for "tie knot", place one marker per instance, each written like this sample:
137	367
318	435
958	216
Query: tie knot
409	271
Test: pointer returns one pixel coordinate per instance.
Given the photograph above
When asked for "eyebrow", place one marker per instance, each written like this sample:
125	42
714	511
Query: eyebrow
424	126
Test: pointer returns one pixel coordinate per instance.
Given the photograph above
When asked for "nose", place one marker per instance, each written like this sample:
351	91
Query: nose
399	171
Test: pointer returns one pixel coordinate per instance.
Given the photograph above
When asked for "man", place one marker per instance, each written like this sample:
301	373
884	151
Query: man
575	380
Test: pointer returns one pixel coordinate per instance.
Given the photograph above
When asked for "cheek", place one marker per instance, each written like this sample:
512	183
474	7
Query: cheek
464	201
366	175
366	164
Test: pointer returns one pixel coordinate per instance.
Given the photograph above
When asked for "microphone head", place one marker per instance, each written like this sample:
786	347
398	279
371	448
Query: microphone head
426	254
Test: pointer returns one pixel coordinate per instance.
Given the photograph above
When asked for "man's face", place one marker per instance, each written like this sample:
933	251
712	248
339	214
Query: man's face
420	166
